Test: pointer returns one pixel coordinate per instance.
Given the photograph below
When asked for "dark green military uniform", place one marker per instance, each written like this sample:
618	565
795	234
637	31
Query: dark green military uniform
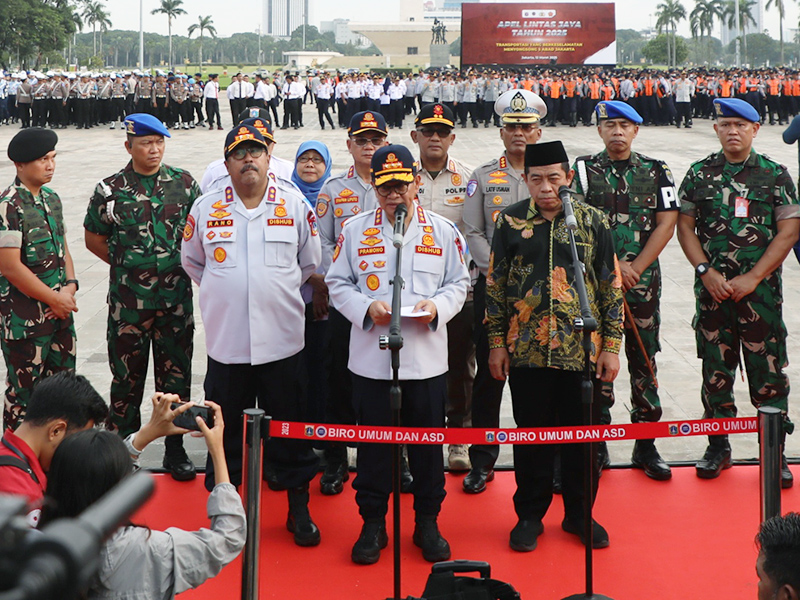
34	346
737	208
149	296
632	193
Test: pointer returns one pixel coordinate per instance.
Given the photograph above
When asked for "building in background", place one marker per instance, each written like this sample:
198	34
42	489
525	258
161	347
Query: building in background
281	17
729	34
343	34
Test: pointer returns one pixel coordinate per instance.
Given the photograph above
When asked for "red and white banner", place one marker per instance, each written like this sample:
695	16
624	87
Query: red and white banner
547	33
539	435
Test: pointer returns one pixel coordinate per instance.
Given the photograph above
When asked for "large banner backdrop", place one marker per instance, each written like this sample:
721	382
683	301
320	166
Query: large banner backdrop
536	34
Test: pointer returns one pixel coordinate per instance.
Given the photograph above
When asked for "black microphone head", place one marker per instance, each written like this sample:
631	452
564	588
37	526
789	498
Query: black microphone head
401	209
564	190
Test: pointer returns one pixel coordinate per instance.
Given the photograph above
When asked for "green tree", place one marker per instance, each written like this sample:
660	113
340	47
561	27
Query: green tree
745	17
670	13
94	14
781	6
657	50
203	24
171	8
32	29
702	17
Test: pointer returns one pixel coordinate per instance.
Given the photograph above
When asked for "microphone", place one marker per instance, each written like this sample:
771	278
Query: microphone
565	194
399	225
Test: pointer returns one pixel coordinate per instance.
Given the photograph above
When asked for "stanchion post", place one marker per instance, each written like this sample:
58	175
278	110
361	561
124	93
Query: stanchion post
252	457
770	436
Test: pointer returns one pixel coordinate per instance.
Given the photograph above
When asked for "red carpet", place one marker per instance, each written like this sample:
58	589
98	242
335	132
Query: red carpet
684	539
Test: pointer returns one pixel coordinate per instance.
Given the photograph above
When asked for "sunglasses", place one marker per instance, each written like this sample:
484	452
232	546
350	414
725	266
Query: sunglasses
442	132
398	188
254	151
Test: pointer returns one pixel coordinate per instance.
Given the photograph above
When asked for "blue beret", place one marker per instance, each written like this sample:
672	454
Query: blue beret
144	124
733	107
614	109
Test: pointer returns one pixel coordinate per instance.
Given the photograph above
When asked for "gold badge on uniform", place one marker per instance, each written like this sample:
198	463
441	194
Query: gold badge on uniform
456	179
427	240
602	112
337	211
497	200
280	211
371	241
495	214
220	254
188	230
322	208
226	234
219	204
372	231
211	235
373	283
379	264
336	253
427	229
219	214
363	265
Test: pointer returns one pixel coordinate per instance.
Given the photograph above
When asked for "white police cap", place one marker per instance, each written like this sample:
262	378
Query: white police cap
520	106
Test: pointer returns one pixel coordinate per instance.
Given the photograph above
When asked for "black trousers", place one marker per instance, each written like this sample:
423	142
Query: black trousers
423	406
487	392
684	113
39	112
196	109
212	110
549	398
277	387
117	109
339	405
322	110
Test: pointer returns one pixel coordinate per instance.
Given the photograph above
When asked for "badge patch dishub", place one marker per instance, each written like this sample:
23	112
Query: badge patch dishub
373	282
220	255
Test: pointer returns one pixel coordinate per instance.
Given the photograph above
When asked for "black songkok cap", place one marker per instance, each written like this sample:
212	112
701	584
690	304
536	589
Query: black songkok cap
548	153
31	143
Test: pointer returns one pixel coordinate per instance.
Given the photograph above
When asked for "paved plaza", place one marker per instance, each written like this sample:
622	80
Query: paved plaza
86	156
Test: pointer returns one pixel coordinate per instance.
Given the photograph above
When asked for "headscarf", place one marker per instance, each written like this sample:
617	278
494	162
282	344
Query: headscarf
311	190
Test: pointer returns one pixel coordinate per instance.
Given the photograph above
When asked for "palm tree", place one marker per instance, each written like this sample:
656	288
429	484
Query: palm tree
104	23
779	4
702	17
745	17
78	22
95	14
171	8
670	13
203	24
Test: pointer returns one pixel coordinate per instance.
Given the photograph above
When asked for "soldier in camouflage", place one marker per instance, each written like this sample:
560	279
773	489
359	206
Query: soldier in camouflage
739	219
135	222
637	193
37	285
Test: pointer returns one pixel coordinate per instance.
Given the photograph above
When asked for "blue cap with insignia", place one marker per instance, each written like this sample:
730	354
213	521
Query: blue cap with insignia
367	121
392	163
143	124
614	109
733	107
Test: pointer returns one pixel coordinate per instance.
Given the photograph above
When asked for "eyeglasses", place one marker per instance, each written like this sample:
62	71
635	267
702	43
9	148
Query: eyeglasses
363	141
386	190
526	127
442	132
254	151
317	160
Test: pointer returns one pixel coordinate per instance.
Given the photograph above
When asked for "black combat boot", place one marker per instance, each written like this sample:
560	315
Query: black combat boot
299	520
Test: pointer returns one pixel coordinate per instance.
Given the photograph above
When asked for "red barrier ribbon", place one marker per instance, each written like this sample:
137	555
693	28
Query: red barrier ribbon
538	435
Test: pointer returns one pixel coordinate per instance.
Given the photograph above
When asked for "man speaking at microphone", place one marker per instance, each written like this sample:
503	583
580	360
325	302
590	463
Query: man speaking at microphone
436	282
531	307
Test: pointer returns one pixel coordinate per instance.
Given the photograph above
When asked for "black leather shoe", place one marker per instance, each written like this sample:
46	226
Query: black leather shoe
426	536
306	532
368	546
523	536
178	464
332	480
787	479
406	479
716	458
645	456
476	480
599	533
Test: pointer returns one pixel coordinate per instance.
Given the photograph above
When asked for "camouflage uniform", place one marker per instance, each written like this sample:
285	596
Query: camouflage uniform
632	199
733	245
149	296
33	345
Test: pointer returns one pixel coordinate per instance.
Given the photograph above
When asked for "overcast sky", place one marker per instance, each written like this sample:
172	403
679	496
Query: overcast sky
124	14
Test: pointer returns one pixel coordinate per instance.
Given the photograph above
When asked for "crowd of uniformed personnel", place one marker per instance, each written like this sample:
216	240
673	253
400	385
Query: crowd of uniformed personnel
674	97
492	218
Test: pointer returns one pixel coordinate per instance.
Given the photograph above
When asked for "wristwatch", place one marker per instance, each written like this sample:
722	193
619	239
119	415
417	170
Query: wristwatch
702	269
75	281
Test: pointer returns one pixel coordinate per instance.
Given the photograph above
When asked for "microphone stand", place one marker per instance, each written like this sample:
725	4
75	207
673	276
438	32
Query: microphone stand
394	342
586	323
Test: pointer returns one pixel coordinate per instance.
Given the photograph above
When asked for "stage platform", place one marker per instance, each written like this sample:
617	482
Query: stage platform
684	539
